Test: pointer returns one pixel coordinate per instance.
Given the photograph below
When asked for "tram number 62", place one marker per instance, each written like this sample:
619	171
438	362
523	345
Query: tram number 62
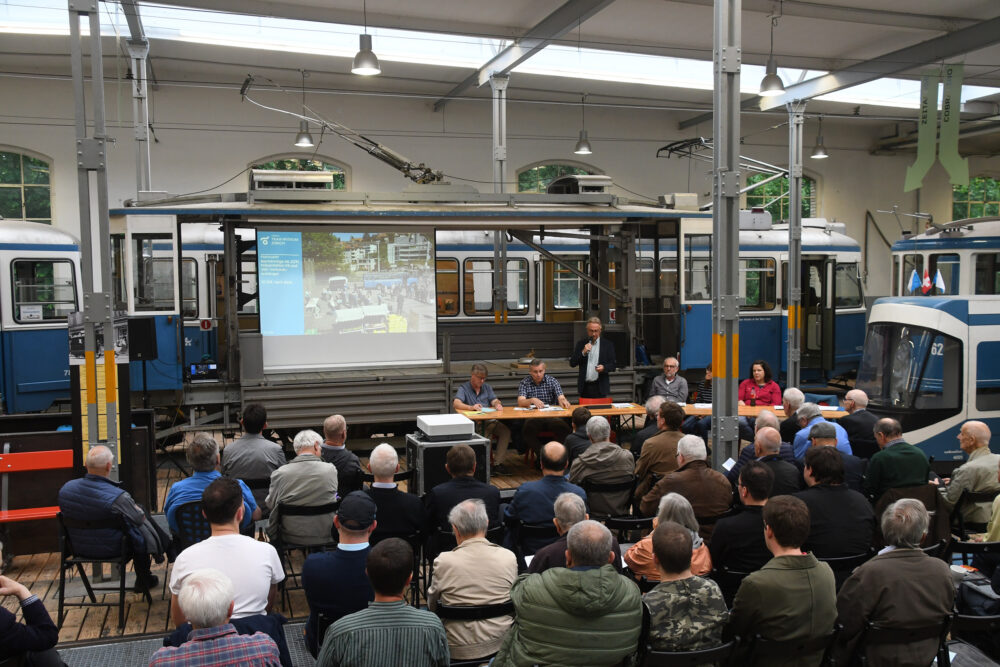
937	350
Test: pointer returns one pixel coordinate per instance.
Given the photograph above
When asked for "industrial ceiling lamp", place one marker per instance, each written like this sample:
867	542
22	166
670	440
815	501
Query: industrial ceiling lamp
771	84
365	63
583	145
819	152
303	139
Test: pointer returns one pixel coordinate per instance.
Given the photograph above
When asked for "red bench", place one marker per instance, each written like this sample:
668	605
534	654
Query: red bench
11	463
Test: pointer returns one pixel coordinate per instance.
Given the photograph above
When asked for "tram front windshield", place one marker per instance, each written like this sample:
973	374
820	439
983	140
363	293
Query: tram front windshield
912	373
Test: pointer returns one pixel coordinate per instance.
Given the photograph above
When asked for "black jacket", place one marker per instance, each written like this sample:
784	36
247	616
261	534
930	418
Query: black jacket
399	514
606	358
738	541
860	426
842	522
789	427
576	442
787	477
442	498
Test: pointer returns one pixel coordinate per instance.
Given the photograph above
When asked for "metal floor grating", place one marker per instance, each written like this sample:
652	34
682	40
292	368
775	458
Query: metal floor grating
139	651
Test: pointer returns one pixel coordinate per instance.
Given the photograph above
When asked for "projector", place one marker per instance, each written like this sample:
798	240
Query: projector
438	428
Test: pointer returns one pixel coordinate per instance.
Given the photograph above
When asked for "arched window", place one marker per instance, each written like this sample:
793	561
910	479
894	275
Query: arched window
536	177
25	187
773	196
981	197
299	163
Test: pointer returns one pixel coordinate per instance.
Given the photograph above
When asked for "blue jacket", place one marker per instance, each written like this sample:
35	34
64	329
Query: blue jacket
801	443
190	489
534	502
95	498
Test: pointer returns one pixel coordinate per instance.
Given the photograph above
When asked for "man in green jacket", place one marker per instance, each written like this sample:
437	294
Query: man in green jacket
582	614
793	596
898	463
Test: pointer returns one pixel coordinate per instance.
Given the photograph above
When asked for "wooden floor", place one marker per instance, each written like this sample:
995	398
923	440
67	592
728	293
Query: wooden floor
40	573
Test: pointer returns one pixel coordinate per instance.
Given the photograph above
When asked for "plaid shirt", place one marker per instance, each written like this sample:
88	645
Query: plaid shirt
220	646
548	391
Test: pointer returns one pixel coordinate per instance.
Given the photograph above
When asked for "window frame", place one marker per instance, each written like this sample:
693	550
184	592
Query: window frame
181	299
767	287
782	201
562	275
458	285
994	258
14	310
855	279
344	168
489	260
23	153
586	169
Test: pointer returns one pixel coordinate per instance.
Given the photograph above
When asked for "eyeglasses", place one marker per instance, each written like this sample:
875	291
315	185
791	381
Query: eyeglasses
670	365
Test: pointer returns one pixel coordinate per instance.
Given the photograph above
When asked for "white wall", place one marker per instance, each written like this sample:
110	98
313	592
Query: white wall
208	135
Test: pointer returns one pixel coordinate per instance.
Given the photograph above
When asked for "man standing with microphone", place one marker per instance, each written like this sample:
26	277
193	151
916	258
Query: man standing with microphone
596	359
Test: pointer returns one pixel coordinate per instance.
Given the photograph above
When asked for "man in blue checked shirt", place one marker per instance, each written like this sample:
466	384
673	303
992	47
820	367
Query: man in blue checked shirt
476	394
539	390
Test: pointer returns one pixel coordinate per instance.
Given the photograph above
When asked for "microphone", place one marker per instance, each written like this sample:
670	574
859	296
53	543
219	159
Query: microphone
246	85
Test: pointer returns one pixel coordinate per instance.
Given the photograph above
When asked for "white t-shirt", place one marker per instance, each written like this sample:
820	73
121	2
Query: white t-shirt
253	566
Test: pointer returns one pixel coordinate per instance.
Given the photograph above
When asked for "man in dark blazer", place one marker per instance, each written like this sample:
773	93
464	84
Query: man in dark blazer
824	434
596	358
399	514
787	477
859	424
577	441
460	462
841	520
790	402
738	541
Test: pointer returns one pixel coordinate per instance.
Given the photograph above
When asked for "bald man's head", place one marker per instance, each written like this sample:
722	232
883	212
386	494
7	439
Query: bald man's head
974	435
554	458
767	441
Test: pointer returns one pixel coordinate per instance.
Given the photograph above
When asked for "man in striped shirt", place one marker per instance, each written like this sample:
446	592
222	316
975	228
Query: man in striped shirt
539	390
388	632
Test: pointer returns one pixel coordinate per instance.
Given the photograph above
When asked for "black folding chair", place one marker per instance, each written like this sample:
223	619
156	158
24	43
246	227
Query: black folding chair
876	635
591	487
967	549
402	476
70	558
415	540
626	526
286	548
192	526
473	613
764	649
527	532
936	550
844	566
983	632
964	528
729	582
720	656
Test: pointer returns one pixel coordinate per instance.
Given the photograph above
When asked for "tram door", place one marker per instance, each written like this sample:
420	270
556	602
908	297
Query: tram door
818	299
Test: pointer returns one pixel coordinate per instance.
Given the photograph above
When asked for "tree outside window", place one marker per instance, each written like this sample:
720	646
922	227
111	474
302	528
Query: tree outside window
980	198
304	164
538	177
773	196
25	188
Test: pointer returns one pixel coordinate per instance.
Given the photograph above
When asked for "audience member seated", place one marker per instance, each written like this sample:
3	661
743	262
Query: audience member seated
738	541
305	480
334	581
674	508
389	631
581	614
253	567
841	521
899	463
32	640
203	455
708	491
604	462
793	597
569	510
791	400
460	462
533	501
336	452
578	441
859	424
978	474
476	394
96	497
476	572
649	427
902	587
670	385
686	612
987	563
253	456
810	414
767	447
400	514
659	452
824	435
765	419
759	388
206	599
695	424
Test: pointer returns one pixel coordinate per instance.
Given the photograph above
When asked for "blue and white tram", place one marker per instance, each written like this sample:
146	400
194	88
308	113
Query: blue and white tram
933	363
40	282
958	258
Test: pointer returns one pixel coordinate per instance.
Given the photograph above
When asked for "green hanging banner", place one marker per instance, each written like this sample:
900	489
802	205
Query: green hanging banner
951	107
926	133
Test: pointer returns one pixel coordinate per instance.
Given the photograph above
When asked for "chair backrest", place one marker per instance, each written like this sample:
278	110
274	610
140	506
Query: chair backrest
937	549
629	523
474	612
307	510
67	526
402	476
192	526
258	484
720	655
961	547
591	486
965	623
843	566
876	635
538	531
729	581
969	498
761	647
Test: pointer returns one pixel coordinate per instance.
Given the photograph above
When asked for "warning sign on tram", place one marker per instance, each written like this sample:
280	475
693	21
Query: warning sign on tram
207	325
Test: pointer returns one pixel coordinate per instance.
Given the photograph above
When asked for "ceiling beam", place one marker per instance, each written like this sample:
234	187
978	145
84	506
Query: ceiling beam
131	10
553	26
959	42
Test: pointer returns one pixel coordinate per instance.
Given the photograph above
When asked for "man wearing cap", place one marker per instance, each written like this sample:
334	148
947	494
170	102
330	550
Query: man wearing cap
824	435
334	581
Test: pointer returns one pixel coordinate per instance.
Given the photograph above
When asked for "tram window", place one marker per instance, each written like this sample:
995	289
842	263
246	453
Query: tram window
163	286
44	289
447	287
668	277
910	367
988	273
948	266
479	286
987	376
566	287
644	267
848	286
913	265
757	284
698	267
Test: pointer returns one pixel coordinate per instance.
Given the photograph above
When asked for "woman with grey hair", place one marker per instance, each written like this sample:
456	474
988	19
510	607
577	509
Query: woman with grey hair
673	507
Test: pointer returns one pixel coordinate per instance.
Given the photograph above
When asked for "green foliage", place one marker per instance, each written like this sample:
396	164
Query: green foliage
980	198
302	164
537	179
24	188
773	196
326	248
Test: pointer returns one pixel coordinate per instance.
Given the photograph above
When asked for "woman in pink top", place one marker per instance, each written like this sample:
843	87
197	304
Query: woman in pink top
759	388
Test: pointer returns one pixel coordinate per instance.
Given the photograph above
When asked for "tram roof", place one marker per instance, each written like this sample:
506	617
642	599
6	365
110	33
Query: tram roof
970	233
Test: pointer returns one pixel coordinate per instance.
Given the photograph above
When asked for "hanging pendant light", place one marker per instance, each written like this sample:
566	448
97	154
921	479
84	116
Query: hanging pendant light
771	84
365	62
819	152
583	144
303	139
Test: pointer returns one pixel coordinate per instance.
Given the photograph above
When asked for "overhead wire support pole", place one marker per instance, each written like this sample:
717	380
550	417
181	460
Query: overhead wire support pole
138	51
725	228
91	156
498	84
796	316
